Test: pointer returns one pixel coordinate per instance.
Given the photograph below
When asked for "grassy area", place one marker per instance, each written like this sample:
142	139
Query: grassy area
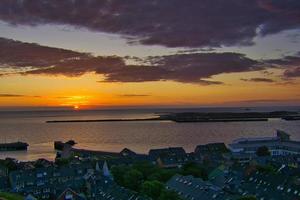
10	196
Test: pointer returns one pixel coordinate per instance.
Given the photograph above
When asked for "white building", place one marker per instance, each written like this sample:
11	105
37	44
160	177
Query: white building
279	145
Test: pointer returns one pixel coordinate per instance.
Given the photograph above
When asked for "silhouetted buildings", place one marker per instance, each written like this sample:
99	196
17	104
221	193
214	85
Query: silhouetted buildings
232	173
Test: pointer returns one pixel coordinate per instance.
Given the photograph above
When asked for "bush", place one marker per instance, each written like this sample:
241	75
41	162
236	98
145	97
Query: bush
265	168
146	168
62	161
133	179
169	195
118	173
194	170
10	196
163	175
152	189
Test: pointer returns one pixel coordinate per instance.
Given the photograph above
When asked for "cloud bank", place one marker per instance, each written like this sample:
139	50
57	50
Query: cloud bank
29	58
172	23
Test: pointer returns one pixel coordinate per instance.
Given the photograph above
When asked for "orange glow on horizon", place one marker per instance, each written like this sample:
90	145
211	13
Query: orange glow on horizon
85	92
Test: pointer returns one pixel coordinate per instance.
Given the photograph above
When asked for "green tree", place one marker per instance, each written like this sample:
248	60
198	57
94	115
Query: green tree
152	189
63	161
263	151
133	179
265	168
10	196
9	164
118	173
163	175
195	170
169	195
146	168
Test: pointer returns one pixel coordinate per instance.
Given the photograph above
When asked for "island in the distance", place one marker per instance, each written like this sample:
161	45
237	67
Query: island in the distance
202	117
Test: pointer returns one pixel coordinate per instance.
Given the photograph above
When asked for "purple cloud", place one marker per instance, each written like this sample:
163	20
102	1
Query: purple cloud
291	64
175	23
292	73
186	68
263	80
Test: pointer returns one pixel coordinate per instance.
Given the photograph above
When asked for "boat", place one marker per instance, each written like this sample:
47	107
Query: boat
14	146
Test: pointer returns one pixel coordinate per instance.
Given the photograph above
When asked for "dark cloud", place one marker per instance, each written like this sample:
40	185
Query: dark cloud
292	73
16	95
133	95
268	73
264	80
195	65
186	68
32	58
174	23
19	54
291	64
288	61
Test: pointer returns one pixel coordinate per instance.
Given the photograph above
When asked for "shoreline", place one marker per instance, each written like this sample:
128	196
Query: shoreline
106	120
188	117
160	119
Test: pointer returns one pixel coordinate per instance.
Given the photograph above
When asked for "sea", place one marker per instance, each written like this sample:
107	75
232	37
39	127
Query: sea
139	136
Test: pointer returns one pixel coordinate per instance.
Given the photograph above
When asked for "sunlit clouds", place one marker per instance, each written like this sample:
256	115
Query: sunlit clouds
99	54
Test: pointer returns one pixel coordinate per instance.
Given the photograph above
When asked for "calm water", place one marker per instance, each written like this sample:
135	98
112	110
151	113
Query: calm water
138	136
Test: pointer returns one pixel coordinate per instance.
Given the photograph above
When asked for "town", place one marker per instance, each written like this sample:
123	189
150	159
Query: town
266	168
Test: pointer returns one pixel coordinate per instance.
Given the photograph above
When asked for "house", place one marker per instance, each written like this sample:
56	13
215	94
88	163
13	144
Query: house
211	148
3	170
47	183
171	151
175	161
279	145
270	186
30	197
226	178
103	188
191	188
243	157
127	156
128	153
69	194
289	160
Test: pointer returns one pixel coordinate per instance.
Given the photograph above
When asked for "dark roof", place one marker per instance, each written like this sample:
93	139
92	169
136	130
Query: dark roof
69	194
190	188
155	153
127	152
105	188
211	148
271	186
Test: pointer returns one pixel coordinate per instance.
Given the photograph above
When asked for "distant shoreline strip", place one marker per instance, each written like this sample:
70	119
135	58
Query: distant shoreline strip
161	119
106	120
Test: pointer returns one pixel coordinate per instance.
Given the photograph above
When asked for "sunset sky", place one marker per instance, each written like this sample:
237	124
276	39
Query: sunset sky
138	53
